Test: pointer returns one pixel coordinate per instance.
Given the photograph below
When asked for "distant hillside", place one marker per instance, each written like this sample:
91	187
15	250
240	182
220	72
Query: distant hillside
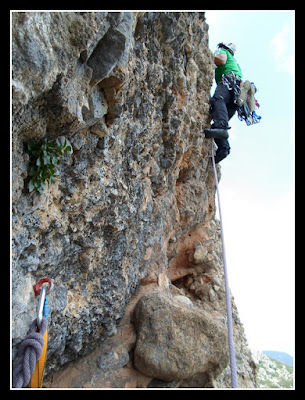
279	356
271	373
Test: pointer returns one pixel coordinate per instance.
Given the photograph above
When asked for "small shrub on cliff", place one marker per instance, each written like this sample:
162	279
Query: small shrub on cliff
43	160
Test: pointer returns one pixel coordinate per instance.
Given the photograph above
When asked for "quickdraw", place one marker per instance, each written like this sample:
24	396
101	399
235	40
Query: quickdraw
42	311
29	365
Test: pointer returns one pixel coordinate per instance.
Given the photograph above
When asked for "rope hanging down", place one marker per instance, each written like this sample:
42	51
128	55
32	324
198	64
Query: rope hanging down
234	382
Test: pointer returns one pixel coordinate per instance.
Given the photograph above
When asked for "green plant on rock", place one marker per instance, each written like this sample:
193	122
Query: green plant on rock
43	160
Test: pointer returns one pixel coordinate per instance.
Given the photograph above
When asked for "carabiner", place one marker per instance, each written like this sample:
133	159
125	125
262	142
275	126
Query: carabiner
43	293
43	307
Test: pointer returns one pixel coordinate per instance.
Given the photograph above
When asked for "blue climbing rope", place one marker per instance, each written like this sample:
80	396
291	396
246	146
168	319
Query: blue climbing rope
234	381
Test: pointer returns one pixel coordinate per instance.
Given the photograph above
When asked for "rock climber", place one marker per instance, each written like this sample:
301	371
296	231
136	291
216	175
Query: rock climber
228	76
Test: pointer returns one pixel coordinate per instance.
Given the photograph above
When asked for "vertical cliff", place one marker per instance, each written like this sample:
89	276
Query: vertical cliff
129	225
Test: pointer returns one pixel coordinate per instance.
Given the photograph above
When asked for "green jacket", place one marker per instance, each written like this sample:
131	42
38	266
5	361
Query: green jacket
230	66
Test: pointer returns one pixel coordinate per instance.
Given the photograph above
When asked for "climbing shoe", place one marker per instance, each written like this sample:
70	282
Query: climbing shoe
216	133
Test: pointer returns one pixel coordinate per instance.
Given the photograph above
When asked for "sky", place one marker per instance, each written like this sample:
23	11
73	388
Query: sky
257	188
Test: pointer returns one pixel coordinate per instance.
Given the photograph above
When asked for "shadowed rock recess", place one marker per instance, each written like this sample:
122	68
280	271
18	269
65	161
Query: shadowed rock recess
128	230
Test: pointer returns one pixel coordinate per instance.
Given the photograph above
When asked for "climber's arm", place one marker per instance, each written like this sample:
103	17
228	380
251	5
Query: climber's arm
220	59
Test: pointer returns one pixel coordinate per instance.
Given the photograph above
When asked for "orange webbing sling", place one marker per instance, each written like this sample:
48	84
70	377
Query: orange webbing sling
36	379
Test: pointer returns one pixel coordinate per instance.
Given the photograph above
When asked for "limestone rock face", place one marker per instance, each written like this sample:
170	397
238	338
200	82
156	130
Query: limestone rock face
175	342
133	206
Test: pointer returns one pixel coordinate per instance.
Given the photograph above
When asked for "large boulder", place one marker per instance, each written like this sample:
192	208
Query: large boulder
177	341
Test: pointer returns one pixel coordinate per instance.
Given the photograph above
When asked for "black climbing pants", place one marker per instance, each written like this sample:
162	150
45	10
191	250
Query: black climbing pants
223	106
223	109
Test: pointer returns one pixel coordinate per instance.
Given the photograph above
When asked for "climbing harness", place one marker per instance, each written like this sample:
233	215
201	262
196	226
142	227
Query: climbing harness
232	82
29	367
234	382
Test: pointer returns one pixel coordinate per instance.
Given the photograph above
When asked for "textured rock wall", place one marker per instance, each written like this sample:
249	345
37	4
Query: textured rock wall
133	208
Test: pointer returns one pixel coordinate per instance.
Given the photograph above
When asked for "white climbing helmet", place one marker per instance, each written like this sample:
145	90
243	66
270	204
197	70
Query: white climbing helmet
231	47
